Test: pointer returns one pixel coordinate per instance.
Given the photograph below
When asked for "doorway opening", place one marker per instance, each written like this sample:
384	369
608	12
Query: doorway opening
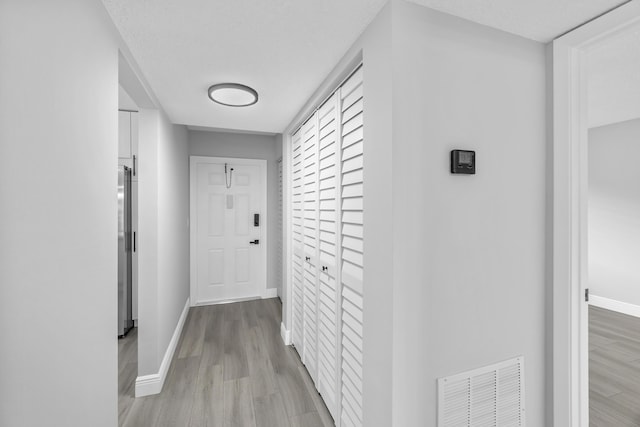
613	228
133	100
571	266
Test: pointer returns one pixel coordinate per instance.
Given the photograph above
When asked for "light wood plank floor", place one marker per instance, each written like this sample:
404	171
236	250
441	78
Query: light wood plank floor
231	369
127	372
614	369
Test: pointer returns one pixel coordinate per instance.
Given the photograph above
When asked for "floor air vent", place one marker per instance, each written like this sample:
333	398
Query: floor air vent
492	396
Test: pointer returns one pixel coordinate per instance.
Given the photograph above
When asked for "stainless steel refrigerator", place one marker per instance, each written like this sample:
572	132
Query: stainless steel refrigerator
125	321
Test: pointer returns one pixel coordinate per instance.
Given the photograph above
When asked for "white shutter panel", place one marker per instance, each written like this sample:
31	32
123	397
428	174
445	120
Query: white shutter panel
351	243
298	251
328	296
309	231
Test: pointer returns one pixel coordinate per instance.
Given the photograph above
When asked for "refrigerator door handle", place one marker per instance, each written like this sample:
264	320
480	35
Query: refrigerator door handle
134	241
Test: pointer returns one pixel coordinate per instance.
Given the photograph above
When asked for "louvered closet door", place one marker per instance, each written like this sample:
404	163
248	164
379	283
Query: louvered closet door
351	256
328	298
310	230
298	249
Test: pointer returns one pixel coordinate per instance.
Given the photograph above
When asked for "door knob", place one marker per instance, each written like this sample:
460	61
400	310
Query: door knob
307	258
255	242
325	268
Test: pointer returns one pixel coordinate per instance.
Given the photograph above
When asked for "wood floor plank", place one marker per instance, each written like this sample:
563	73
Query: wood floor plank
127	373
238	403
270	411
144	412
310	419
263	379
235	355
321	407
193	336
208	403
294	392
230	369
614	371
178	397
182	377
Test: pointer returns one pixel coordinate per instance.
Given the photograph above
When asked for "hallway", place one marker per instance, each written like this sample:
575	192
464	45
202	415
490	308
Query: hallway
232	369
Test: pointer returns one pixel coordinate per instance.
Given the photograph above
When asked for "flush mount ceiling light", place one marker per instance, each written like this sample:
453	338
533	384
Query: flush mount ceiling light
233	95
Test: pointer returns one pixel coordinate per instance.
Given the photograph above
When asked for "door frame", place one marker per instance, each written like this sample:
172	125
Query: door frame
193	229
570	371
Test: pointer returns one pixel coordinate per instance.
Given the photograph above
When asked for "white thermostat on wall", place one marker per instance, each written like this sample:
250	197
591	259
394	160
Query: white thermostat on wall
463	162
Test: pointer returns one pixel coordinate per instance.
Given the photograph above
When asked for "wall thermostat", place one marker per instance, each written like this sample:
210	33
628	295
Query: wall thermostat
463	161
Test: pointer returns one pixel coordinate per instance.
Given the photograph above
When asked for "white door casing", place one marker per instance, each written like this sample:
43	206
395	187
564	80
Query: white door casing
225	266
570	162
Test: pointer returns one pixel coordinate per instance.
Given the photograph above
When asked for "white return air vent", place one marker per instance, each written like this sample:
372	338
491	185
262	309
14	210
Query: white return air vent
492	396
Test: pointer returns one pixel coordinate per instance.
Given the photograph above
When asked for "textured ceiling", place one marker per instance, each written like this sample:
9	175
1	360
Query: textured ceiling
614	79
540	20
281	48
285	48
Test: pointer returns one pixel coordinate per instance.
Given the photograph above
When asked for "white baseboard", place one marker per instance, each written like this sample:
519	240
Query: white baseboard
614	305
285	334
270	293
152	384
225	301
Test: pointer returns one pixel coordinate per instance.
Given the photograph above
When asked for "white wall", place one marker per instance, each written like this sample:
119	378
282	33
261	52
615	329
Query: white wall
469	260
248	146
58	246
148	348
614	212
173	230
125	102
163	256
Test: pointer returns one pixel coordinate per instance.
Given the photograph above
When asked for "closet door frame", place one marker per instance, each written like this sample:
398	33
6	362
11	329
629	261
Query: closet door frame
329	87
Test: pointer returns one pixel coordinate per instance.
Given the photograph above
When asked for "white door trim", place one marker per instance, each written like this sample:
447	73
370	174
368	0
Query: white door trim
193	162
570	321
287	246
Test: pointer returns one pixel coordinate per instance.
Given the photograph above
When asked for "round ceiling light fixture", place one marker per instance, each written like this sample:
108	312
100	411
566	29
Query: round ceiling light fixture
233	94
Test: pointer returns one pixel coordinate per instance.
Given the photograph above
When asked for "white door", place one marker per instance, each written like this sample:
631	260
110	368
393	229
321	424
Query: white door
327	383
298	255
310	245
228	238
351	255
